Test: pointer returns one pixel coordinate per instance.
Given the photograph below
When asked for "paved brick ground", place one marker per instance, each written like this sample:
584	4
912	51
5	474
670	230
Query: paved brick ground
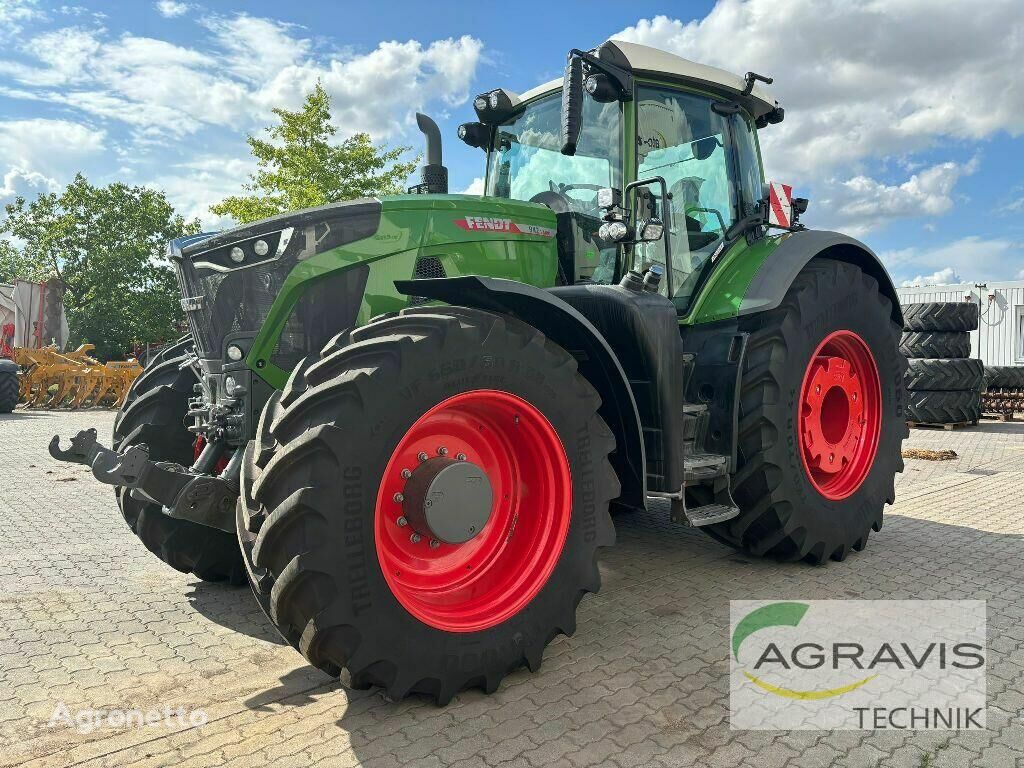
90	619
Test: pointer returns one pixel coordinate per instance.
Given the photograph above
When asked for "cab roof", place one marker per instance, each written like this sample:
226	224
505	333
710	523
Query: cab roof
645	61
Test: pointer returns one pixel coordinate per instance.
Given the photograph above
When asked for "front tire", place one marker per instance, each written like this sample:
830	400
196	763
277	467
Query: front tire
348	575
816	468
8	391
154	413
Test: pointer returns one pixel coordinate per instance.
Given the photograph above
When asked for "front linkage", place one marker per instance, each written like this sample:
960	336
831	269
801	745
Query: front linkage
182	492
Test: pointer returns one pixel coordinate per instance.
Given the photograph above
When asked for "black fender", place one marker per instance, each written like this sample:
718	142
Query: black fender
571	330
8	366
773	279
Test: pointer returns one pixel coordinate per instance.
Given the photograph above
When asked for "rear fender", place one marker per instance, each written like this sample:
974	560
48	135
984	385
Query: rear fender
571	330
770	283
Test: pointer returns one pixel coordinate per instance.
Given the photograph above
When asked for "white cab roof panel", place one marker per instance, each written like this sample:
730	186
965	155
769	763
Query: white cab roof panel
647	61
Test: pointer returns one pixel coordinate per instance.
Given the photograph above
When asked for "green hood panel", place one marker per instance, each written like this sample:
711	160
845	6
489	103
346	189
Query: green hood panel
459	234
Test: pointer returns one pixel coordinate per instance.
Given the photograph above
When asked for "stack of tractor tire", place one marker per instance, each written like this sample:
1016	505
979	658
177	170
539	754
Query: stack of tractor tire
1004	391
943	381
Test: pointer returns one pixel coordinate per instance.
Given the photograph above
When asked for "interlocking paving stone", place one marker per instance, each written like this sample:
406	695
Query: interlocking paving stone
90	619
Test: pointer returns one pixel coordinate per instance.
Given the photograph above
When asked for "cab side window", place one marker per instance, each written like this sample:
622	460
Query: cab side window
680	138
751	179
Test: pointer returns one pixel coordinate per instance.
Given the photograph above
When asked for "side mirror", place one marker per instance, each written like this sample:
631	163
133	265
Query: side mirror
650	230
572	104
704	148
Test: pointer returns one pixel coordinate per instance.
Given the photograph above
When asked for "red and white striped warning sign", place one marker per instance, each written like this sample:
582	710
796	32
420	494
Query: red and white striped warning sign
780	204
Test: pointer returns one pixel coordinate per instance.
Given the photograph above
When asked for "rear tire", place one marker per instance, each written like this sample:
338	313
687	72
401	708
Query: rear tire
941	316
154	413
8	391
783	514
945	375
319	524
1004	377
944	407
936	344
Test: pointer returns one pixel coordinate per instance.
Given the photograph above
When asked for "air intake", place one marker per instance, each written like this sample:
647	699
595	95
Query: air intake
427	268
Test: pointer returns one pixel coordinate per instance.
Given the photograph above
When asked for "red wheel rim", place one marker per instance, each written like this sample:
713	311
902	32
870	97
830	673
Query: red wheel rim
840	415
480	583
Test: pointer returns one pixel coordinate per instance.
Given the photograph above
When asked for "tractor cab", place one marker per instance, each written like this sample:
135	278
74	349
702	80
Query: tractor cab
678	138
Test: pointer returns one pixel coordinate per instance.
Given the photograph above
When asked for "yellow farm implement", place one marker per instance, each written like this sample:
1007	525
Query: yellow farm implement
53	379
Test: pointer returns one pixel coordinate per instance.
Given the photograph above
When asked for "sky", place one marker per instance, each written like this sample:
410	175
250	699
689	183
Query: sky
904	118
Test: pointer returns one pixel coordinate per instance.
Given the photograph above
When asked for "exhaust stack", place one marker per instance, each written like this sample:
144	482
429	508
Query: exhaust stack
433	175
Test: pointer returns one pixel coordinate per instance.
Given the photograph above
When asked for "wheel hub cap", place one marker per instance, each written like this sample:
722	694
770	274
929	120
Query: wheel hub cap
448	500
840	415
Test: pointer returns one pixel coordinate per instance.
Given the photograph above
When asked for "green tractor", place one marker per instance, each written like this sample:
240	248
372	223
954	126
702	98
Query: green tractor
406	422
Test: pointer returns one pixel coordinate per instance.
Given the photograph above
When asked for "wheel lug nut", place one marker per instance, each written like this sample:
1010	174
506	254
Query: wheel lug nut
406	474
415	538
402	522
399	498
831	458
442	451
434	543
460	456
817	389
422	456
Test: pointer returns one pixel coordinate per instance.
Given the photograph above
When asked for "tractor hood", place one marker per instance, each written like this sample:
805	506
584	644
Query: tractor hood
231	280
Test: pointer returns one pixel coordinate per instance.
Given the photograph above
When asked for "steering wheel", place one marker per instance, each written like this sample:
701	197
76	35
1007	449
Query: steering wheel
582	206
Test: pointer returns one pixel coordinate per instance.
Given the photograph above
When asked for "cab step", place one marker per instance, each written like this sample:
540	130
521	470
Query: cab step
702	467
709	514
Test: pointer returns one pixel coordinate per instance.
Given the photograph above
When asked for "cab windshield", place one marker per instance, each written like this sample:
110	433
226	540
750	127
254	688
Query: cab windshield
526	160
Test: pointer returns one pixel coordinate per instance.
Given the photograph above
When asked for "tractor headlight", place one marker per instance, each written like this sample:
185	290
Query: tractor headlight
235	353
495	107
651	229
237	255
601	88
608	197
261	247
229	385
614	231
474	134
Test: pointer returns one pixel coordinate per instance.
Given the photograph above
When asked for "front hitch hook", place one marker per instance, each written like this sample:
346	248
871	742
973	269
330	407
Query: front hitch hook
83	450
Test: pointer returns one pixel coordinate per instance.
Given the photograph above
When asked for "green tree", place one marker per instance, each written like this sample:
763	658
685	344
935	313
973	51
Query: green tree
107	245
299	167
15	265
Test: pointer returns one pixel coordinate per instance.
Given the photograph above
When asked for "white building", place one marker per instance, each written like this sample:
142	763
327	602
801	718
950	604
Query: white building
999	339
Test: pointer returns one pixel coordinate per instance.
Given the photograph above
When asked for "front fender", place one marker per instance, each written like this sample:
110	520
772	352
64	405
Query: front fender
571	330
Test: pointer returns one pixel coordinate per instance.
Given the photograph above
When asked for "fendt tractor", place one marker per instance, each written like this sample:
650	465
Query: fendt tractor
406	422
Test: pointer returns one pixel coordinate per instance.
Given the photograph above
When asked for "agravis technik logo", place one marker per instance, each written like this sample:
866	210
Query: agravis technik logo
858	664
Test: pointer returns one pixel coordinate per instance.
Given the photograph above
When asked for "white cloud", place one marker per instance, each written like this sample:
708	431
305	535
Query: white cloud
172	9
161	88
257	48
476	187
195	185
863	80
862	204
947	276
24	183
15	13
46	146
972	258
